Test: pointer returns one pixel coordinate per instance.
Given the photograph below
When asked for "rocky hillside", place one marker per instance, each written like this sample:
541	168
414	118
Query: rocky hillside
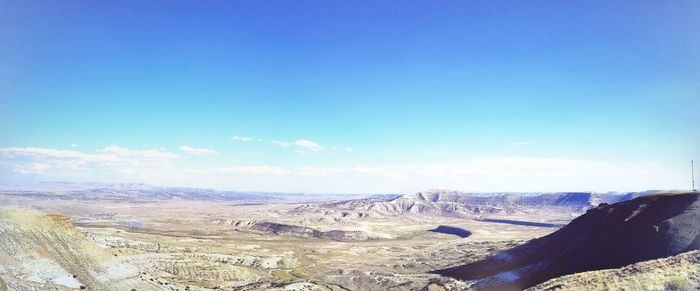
295	230
458	204
680	272
608	236
45	252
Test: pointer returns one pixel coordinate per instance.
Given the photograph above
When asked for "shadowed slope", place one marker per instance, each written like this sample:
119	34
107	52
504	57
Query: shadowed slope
608	236
460	232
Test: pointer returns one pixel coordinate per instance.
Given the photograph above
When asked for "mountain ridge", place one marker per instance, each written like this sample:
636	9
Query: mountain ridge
461	204
607	236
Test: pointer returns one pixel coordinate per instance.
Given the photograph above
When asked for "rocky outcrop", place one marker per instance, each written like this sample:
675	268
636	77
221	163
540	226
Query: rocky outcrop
296	230
45	252
608	236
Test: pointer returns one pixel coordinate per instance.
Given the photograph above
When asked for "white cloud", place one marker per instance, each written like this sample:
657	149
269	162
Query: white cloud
34	152
197	151
157	166
32	168
307	145
112	161
73	145
302	146
240	170
242	138
146	153
280	143
495	174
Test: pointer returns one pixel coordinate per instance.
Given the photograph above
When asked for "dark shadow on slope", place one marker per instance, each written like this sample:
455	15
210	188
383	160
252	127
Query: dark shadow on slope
460	232
608	236
521	222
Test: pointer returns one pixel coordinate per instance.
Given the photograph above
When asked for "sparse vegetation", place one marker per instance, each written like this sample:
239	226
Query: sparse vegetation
677	283
249	260
194	246
283	274
681	272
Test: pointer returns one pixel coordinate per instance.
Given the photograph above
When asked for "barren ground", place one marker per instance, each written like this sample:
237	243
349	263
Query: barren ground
183	244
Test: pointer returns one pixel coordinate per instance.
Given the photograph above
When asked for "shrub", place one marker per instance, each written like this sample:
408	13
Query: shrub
677	284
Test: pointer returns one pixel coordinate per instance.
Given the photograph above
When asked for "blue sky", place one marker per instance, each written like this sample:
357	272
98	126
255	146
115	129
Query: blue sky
329	96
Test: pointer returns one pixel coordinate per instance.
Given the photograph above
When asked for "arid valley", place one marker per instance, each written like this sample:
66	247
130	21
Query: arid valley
126	237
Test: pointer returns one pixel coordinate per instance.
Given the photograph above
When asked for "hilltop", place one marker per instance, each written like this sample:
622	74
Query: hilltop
678	272
608	236
45	252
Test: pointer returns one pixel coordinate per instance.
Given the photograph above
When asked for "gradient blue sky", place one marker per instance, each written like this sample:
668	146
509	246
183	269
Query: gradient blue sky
380	96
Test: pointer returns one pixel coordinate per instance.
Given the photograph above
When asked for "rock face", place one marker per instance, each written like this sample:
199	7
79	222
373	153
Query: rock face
282	229
45	252
458	204
608	236
297	230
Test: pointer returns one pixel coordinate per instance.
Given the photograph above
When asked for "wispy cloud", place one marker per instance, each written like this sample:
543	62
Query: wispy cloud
493	174
308	146
156	154
57	162
241	170
38	153
197	151
241	138
518	143
32	168
301	146
280	143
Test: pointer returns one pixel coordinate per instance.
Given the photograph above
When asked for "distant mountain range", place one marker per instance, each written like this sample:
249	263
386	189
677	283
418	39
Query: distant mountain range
463	204
140	191
431	202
